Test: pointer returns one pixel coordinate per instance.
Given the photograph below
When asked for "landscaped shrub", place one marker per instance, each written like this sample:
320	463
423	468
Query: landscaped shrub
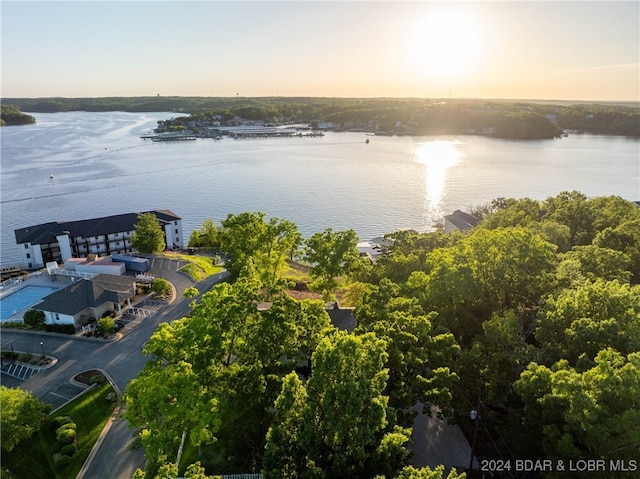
69	425
68	450
25	357
106	325
58	421
161	287
111	397
60	328
65	436
62	461
97	380
12	324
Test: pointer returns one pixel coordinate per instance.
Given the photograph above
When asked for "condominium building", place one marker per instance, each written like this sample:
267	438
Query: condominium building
61	240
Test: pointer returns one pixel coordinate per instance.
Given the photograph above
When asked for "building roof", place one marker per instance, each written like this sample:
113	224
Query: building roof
104	261
46	233
461	220
342	318
88	293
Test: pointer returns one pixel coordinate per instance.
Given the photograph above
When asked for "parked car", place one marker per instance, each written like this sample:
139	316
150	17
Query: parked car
119	325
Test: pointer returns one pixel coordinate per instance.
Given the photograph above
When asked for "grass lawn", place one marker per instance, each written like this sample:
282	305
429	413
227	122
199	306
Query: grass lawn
297	272
199	267
33	458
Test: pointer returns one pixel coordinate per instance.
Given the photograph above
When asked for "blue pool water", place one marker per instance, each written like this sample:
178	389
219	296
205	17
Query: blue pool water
22	299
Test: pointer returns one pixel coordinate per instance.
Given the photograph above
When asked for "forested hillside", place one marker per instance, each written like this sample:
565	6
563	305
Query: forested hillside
533	317
499	118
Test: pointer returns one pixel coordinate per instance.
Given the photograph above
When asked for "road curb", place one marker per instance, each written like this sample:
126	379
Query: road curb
106	427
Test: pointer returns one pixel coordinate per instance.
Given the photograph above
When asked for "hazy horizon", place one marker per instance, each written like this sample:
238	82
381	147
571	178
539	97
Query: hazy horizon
537	51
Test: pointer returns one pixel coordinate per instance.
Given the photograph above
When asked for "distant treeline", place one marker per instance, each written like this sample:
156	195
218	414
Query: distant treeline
11	115
507	119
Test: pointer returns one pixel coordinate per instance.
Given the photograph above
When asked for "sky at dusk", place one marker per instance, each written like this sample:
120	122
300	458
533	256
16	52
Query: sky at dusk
528	50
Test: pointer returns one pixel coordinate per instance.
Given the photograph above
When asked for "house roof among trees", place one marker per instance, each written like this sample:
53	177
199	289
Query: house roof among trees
46	233
461	220
88	293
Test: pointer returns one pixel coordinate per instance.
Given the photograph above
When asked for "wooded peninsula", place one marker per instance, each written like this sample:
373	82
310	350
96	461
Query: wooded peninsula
410	116
10	115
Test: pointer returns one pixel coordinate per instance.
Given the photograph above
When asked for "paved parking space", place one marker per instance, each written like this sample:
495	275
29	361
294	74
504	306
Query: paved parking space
62	393
167	264
19	370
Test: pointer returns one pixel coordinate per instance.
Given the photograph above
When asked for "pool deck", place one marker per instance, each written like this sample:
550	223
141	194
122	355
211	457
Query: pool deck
38	278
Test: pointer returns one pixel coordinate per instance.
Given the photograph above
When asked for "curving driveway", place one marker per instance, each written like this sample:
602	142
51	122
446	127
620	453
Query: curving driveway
122	359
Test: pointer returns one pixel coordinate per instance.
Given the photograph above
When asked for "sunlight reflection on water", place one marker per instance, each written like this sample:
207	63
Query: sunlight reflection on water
437	157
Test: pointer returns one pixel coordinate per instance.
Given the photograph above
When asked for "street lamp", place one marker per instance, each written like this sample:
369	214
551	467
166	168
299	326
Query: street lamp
474	417
42	346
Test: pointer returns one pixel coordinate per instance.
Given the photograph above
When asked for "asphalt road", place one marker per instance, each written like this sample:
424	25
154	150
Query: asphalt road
122	359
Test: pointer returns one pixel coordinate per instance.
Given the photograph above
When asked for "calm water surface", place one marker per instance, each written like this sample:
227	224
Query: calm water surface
100	167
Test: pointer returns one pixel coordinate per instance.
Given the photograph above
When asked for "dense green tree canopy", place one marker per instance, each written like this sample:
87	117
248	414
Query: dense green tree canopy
579	323
208	236
309	439
333	256
536	311
585	415
421	361
625	238
411	472
216	373
259	245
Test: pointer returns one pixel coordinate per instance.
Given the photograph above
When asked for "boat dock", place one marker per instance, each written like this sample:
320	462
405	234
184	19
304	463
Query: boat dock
239	133
173	138
271	133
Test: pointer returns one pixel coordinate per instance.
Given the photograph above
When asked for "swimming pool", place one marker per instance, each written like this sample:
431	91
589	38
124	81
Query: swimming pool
22	299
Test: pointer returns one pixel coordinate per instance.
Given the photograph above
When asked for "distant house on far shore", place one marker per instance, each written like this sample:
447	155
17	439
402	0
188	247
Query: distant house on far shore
459	220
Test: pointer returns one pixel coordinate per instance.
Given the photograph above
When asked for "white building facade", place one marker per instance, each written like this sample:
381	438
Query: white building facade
59	241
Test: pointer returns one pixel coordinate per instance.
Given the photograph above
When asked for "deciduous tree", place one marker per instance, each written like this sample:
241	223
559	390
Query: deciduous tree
572	208
148	236
624	238
250	239
333	256
410	472
585	415
208	236
597	262
579	323
309	437
34	318
421	362
22	415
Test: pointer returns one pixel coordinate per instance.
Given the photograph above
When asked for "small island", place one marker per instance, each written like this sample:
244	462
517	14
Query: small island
11	115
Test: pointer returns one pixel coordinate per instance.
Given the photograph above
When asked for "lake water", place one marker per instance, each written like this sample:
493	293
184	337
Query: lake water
101	166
